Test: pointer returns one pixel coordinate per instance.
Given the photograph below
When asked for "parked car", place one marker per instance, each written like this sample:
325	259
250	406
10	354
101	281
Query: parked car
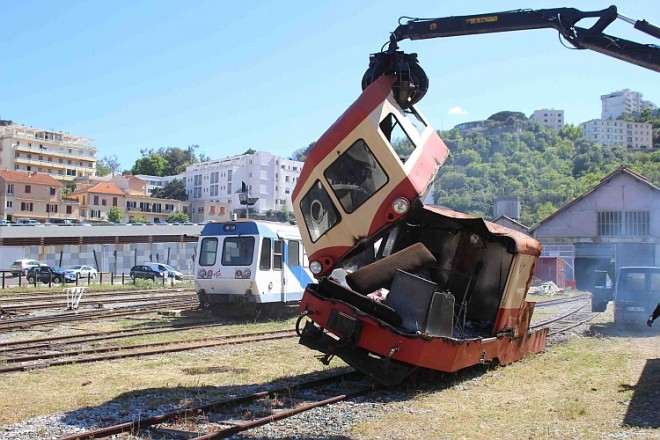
27	222
5	223
146	272
21	267
48	274
82	271
61	221
166	267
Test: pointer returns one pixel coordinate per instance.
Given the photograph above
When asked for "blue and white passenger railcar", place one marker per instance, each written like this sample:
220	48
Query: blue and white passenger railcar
249	263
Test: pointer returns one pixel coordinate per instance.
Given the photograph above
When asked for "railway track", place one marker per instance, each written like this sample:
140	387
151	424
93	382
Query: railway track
27	321
37	357
40	296
93	301
224	418
572	312
227	417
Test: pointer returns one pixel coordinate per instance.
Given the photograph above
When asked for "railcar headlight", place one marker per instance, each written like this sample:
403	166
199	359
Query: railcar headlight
242	274
400	205
315	267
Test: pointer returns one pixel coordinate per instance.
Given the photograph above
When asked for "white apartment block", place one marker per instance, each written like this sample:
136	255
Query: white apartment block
623	102
154	182
269	178
550	118
637	135
61	155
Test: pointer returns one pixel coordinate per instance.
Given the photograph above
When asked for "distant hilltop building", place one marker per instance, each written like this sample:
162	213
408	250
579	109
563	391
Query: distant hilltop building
623	102
63	156
470	127
608	132
549	118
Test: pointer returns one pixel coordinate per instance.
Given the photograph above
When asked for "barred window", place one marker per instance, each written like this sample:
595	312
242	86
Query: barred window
636	223
623	223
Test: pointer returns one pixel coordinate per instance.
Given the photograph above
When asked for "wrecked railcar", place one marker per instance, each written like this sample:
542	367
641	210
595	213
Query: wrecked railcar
403	286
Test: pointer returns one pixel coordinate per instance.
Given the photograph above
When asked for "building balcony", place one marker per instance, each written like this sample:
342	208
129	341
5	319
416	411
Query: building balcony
54	153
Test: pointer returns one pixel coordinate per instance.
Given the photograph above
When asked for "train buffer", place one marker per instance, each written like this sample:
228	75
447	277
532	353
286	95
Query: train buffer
73	296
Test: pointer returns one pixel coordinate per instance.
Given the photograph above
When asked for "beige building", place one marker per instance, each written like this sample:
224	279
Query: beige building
203	210
96	200
608	132
35	196
550	118
154	210
61	155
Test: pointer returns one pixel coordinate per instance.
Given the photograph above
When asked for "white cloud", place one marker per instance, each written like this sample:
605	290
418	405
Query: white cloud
457	110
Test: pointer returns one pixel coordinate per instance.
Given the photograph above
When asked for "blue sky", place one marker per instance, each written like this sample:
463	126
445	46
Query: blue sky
273	76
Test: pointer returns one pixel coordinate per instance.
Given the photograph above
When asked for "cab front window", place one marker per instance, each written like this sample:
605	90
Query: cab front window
318	210
355	176
238	251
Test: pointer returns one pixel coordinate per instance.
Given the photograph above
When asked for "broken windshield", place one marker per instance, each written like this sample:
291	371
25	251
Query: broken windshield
318	210
355	176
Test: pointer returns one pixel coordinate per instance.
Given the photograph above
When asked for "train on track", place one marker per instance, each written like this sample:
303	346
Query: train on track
249	267
402	286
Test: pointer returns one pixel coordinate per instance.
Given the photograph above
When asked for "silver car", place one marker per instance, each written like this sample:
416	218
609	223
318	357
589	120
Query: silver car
21	267
82	271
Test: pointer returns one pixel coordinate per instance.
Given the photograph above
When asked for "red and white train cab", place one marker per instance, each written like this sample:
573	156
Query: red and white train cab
403	286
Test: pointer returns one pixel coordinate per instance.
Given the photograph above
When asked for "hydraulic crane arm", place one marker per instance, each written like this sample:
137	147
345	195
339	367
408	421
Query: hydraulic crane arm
412	82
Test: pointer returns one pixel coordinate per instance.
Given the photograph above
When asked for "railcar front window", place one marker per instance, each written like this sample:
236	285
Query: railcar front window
238	251
319	212
208	251
277	255
355	176
293	254
264	260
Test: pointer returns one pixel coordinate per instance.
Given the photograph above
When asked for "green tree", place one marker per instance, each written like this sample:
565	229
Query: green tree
301	153
115	214
176	190
102	170
153	165
107	165
139	219
178	217
176	159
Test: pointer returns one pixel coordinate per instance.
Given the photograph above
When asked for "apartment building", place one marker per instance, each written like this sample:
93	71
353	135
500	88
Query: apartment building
154	210
62	155
32	195
608	132
95	201
623	102
550	118
270	179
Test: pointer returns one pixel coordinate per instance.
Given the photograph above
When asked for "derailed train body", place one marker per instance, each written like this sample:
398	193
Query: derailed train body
403	286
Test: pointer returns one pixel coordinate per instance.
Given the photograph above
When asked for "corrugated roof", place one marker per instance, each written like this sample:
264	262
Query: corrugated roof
621	170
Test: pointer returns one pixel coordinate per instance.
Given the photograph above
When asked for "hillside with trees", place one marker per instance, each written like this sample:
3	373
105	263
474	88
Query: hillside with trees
517	157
